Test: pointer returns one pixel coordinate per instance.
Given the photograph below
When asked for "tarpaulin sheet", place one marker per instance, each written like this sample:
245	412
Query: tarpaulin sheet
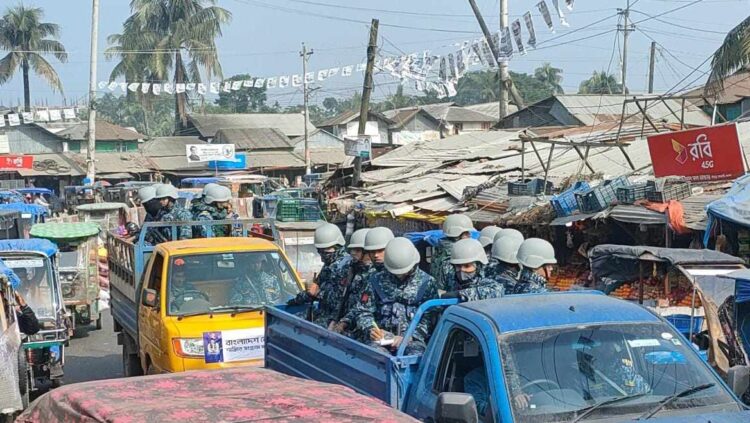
741	279
10	274
43	246
431	237
734	206
230	395
10	395
23	208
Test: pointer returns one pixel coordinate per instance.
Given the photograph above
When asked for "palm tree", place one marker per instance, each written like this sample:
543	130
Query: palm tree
600	83
27	39
550	76
732	55
180	36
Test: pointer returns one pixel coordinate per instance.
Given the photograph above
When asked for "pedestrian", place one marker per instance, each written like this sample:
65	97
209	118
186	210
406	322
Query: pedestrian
328	289
360	271
536	257
503	263
469	283
387	307
213	204
170	212
455	227
487	237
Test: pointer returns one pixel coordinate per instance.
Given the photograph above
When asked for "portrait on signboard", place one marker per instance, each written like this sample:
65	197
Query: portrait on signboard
193	156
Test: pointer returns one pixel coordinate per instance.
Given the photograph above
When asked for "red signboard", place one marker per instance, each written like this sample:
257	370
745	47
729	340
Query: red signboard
712	153
16	162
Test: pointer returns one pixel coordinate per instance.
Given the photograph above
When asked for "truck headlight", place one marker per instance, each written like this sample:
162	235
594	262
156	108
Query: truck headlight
188	347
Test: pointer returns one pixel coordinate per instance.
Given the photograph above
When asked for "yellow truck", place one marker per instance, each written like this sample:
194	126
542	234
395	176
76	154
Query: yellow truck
198	303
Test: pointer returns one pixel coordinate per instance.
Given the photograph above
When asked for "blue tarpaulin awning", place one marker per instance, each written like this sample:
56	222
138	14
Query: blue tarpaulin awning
43	246
10	274
734	206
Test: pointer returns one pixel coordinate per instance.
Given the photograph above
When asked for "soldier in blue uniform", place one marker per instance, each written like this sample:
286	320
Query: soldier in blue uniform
170	212
503	265
455	227
360	271
469	283
213	204
255	287
387	307
329	287
537	258
152	206
487	237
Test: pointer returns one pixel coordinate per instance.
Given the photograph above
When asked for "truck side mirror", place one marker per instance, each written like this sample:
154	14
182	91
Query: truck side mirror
150	298
738	378
455	407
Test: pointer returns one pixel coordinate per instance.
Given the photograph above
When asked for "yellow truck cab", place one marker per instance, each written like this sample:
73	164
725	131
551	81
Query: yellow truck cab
198	304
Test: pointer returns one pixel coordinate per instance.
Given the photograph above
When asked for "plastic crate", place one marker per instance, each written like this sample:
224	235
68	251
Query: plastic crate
681	322
676	190
297	210
633	193
600	197
565	203
529	187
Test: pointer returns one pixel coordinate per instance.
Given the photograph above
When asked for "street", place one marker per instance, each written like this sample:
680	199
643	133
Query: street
94	354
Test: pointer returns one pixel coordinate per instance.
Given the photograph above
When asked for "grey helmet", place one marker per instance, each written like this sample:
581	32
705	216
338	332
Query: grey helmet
400	256
146	194
487	235
377	238
327	235
214	193
535	253
502	233
456	224
505	249
357	239
468	251
167	191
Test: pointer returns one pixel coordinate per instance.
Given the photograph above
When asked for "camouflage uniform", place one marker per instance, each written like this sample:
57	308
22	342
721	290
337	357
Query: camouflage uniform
177	292
256	288
625	376
478	289
154	235
440	267
177	214
501	273
332	281
390	303
206	212
359	284
530	282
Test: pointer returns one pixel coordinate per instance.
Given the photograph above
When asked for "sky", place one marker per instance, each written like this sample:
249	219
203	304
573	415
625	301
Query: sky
265	36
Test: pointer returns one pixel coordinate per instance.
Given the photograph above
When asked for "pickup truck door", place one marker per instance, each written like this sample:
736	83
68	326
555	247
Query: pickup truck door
149	318
460	359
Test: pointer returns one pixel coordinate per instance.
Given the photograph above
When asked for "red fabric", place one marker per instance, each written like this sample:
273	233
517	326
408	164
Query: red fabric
231	395
674	211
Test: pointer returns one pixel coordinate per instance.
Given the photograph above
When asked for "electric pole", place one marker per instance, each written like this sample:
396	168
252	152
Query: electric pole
91	146
626	29
305	57
503	65
367	87
651	64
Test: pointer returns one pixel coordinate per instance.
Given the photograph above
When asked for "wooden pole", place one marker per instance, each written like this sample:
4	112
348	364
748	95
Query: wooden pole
366	92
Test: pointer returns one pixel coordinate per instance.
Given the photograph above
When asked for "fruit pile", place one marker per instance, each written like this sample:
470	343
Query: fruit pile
653	289
566	278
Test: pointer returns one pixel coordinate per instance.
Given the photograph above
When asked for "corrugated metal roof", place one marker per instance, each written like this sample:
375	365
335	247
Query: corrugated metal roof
564	220
694	210
736	88
327	156
290	124
491	109
591	109
457	114
274	159
638	215
351	115
251	139
105	131
456	187
63	160
442	204
168	146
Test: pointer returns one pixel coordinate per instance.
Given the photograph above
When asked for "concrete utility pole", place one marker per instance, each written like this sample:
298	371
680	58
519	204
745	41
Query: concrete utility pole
503	65
626	29
91	146
367	87
305	57
651	65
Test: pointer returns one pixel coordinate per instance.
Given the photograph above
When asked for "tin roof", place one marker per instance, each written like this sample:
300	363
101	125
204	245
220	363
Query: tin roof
168	146
105	131
290	124
252	139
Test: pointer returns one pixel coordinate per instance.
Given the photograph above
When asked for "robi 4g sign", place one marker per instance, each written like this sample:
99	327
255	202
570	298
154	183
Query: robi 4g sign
712	153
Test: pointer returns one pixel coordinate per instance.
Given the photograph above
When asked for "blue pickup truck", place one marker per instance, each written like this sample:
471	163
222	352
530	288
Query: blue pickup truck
578	356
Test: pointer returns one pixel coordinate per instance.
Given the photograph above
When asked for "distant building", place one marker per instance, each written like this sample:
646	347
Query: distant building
446	118
491	109
732	101
292	125
347	125
413	124
326	149
58	137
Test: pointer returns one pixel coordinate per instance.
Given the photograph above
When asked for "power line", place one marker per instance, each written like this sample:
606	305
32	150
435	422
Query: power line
668	11
680	26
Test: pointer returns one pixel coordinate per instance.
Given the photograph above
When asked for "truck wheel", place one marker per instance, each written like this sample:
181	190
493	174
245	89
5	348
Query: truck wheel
131	365
23	378
99	322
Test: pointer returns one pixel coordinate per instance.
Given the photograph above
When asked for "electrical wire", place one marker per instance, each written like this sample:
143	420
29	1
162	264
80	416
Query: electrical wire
678	25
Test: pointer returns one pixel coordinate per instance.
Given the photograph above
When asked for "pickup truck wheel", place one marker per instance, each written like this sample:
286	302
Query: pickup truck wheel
131	364
99	322
23	378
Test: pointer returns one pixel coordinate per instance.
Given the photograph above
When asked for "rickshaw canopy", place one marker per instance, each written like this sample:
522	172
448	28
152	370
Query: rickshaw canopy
64	231
42	246
32	209
34	191
10	274
101	207
196	181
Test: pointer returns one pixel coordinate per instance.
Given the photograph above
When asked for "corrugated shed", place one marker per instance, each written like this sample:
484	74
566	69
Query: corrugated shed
274	159
168	146
592	109
290	124
251	139
65	166
442	204
694	210
457	114
105	131
398	173
455	188
491	109
637	215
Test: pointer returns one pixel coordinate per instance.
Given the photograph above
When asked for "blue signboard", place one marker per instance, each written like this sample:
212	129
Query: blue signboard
240	162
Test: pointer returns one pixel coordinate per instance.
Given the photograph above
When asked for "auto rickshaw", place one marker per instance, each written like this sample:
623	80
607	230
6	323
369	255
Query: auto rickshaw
14	392
79	278
34	261
124	192
107	215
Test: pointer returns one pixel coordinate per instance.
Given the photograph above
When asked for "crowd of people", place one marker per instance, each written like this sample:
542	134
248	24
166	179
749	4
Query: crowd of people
371	288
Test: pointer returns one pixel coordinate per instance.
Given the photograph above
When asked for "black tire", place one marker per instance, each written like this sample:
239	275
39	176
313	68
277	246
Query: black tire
131	365
99	322
23	378
56	383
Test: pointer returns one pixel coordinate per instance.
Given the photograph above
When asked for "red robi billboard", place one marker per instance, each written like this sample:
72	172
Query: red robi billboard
16	162
706	154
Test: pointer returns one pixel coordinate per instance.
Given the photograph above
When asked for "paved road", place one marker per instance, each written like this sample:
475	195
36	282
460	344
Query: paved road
93	354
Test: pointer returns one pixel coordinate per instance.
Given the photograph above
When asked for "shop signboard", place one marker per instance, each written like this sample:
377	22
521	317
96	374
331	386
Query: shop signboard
13	162
712	153
360	146
209	152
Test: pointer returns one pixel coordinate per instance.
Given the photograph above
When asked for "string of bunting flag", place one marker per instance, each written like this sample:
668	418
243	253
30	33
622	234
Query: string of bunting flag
416	67
41	115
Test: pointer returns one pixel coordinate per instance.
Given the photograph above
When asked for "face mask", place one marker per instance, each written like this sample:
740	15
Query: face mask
466	277
327	256
152	207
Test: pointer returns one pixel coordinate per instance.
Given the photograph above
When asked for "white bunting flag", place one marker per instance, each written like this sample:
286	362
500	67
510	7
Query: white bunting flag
248	83
283	81
569	4
227	87
2	121
156	89
516	27
28	117
102	85
544	10
69	114
54	115
123	86
419	85
213	87
112	86
460	64
440	88
443	71
42	116
451	67
487	51
476	48
202	88
560	13
347	70
179	88
190	86
168	88
506	45
13	119
236	85
271	82
260	82
322	75
530	28
451	89
145	86
361	67
296	80
333	72
309	78
133	87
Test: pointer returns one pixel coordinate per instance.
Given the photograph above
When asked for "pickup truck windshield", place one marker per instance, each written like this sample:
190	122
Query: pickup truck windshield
225	282
36	287
620	370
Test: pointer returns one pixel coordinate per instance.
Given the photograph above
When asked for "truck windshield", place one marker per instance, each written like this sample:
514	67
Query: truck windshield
37	287
229	281
560	374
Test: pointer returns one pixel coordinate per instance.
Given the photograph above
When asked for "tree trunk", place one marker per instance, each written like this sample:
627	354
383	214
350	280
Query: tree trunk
26	94
180	114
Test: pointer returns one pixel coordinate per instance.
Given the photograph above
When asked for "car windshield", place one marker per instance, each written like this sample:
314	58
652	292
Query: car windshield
558	374
230	281
37	287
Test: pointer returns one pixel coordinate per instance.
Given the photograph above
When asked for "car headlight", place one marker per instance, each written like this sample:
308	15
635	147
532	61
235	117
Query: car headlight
188	347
